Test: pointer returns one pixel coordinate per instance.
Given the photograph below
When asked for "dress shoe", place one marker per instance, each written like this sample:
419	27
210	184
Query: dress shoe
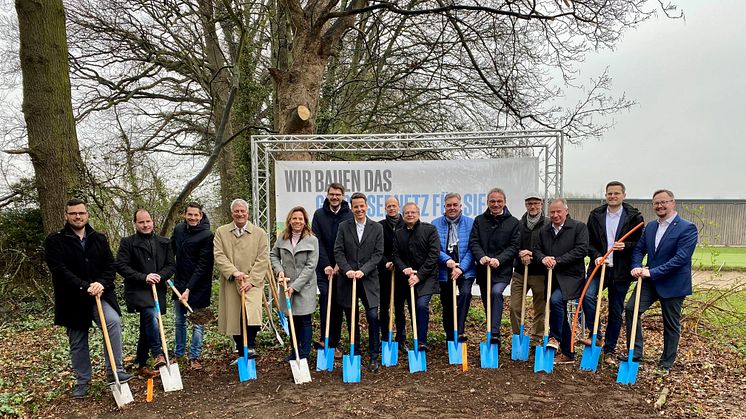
625	358
552	343
123	378
564	359
195	364
610	359
374	365
80	391
160	361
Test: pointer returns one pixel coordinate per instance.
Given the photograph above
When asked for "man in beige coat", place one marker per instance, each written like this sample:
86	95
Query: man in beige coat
241	256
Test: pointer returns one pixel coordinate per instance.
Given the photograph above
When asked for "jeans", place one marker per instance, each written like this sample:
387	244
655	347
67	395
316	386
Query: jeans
537	285
371	314
303	334
195	349
79	351
590	300
497	303
617	293
422	311
150	337
671	310
559	328
463	301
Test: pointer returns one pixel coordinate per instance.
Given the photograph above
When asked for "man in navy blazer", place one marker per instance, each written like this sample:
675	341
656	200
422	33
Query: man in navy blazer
669	243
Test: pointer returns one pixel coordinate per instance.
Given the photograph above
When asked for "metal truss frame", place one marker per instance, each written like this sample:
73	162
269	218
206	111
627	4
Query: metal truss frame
547	145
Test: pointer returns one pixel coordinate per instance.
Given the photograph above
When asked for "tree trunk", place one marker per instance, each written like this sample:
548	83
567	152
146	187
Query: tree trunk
47	106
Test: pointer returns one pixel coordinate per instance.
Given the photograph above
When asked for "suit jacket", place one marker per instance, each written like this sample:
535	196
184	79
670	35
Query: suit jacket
671	264
139	256
418	248
569	248
597	242
364	255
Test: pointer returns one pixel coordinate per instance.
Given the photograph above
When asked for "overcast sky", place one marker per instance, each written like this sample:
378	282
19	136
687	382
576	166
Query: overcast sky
687	132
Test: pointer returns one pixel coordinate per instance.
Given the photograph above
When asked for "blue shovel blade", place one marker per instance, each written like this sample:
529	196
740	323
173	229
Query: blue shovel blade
351	368
246	369
544	359
325	359
389	353
284	323
417	360
628	370
454	352
488	354
519	348
591	355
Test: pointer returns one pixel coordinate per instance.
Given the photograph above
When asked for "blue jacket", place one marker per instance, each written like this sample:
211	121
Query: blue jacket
466	260
671	264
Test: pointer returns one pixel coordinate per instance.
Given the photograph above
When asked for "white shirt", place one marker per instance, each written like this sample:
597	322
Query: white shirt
360	228
239	231
612	224
662	227
557	229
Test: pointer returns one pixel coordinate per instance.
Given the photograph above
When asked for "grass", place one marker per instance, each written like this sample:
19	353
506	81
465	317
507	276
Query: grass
731	258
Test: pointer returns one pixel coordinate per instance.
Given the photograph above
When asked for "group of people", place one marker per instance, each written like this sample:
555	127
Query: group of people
340	247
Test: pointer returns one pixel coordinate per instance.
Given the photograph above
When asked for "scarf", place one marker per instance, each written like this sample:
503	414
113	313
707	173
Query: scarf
532	221
452	241
392	221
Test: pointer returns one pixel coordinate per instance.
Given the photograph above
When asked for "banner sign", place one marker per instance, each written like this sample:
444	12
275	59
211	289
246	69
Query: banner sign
424	182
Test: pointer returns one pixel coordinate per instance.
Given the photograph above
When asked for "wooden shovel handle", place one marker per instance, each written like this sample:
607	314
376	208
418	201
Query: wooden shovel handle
353	311
391	303
549	296
290	316
105	330
633	333
489	299
598	298
414	314
329	306
523	293
164	346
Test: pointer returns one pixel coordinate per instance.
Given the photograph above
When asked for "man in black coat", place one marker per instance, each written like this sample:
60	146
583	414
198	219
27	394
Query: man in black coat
391	224
191	243
324	225
494	241
562	247
82	268
416	252
358	250
606	224
145	259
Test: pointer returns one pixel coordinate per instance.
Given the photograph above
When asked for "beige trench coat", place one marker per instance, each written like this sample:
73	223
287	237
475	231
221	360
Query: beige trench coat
248	254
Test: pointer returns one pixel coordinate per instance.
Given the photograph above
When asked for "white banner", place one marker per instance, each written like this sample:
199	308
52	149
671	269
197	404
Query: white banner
424	182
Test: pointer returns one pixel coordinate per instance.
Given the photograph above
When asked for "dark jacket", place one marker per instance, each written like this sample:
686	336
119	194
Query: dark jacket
529	239
419	248
192	248
496	237
355	255
324	225
597	243
388	250
569	248
73	269
138	256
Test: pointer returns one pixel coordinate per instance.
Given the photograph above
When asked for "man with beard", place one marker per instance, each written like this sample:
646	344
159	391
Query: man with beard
82	268
192	246
145	259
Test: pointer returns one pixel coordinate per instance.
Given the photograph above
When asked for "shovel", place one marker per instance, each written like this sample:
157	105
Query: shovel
273	286
178	295
390	348
592	352
417	358
170	374
628	369
488	352
299	367
351	362
325	355
122	393
455	349
520	344
246	365
271	323
544	359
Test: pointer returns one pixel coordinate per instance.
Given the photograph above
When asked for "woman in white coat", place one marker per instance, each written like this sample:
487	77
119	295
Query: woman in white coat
295	255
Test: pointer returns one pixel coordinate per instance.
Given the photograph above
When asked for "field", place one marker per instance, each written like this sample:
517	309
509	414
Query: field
729	258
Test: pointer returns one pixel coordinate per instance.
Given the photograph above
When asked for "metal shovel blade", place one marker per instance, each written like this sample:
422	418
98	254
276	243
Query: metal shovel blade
628	370
301	373
351	367
284	323
520	346
591	355
544	358
454	352
389	353
325	358
246	368
488	355
417	360
171	377
122	394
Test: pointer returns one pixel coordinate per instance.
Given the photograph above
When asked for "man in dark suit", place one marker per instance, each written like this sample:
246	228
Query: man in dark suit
606	224
391	224
562	247
358	250
669	243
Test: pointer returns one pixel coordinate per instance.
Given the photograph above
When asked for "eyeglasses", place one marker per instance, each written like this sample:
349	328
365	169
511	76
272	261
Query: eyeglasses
79	214
660	203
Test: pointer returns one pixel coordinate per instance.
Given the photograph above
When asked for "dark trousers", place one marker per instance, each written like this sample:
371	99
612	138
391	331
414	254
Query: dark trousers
497	302
559	328
463	301
371	314
251	332
590	299
617	293
322	282
671	309
401	291
149	340
303	334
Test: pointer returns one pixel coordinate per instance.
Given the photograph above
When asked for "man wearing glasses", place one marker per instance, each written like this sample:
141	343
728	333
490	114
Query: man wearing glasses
82	268
669	243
